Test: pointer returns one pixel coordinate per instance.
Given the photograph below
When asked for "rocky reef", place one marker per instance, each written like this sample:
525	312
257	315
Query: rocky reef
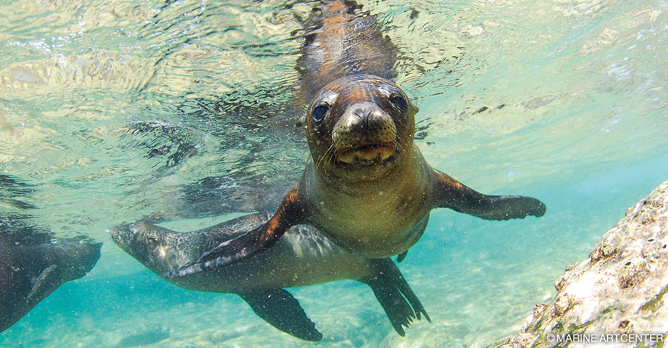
617	294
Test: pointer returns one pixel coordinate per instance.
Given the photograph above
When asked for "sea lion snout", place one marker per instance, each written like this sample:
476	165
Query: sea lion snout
364	132
360	124
362	119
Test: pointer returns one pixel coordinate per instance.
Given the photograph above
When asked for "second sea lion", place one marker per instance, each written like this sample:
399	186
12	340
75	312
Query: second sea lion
33	265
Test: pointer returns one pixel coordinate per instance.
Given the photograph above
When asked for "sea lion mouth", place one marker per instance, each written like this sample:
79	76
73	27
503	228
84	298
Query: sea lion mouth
366	154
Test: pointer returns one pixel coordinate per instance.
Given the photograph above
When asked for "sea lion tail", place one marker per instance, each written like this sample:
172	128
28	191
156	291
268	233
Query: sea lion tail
394	294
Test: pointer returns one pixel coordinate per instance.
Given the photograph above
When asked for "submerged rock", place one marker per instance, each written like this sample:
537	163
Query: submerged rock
617	295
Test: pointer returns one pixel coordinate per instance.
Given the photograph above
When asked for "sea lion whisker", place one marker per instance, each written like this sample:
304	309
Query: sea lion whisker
318	162
325	161
398	145
327	157
401	126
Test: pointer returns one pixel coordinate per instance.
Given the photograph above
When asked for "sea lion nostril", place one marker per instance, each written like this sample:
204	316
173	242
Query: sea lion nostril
363	113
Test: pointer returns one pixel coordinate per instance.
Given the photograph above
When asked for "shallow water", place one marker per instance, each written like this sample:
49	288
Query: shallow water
112	111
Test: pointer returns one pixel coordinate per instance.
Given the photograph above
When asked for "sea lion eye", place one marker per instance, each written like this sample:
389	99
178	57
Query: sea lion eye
399	102
319	112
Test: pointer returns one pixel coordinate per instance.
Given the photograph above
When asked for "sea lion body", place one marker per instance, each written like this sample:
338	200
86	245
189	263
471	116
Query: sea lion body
366	185
385	227
34	267
303	257
372	191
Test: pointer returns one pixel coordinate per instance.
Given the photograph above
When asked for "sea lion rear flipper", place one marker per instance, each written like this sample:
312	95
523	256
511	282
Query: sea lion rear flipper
394	295
289	213
452	194
280	309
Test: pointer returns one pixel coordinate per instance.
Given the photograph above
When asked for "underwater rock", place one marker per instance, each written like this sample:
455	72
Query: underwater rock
618	291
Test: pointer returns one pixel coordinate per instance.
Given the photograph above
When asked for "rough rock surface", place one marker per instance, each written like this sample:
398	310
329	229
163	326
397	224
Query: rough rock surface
619	290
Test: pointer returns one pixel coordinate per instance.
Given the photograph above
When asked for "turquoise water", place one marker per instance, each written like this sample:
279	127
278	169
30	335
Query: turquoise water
113	111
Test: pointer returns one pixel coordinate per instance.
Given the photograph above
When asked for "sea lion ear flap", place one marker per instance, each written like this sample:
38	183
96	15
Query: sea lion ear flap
301	122
402	256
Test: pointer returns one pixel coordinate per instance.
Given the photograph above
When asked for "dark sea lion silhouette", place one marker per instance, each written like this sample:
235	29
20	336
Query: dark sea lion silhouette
33	265
366	185
303	257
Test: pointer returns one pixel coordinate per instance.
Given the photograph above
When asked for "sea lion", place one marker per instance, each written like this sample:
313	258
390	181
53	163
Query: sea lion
366	185
33	265
302	257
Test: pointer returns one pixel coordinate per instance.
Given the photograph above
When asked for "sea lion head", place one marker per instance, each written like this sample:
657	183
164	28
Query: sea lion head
360	126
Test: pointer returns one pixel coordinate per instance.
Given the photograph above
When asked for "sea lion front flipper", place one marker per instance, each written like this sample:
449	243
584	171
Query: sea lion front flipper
394	294
452	194
38	282
289	213
280	309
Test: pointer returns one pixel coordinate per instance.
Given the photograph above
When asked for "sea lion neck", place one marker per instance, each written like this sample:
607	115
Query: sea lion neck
363	181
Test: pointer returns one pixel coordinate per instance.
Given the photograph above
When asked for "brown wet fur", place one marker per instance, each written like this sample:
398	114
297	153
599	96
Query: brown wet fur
366	186
343	144
340	41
